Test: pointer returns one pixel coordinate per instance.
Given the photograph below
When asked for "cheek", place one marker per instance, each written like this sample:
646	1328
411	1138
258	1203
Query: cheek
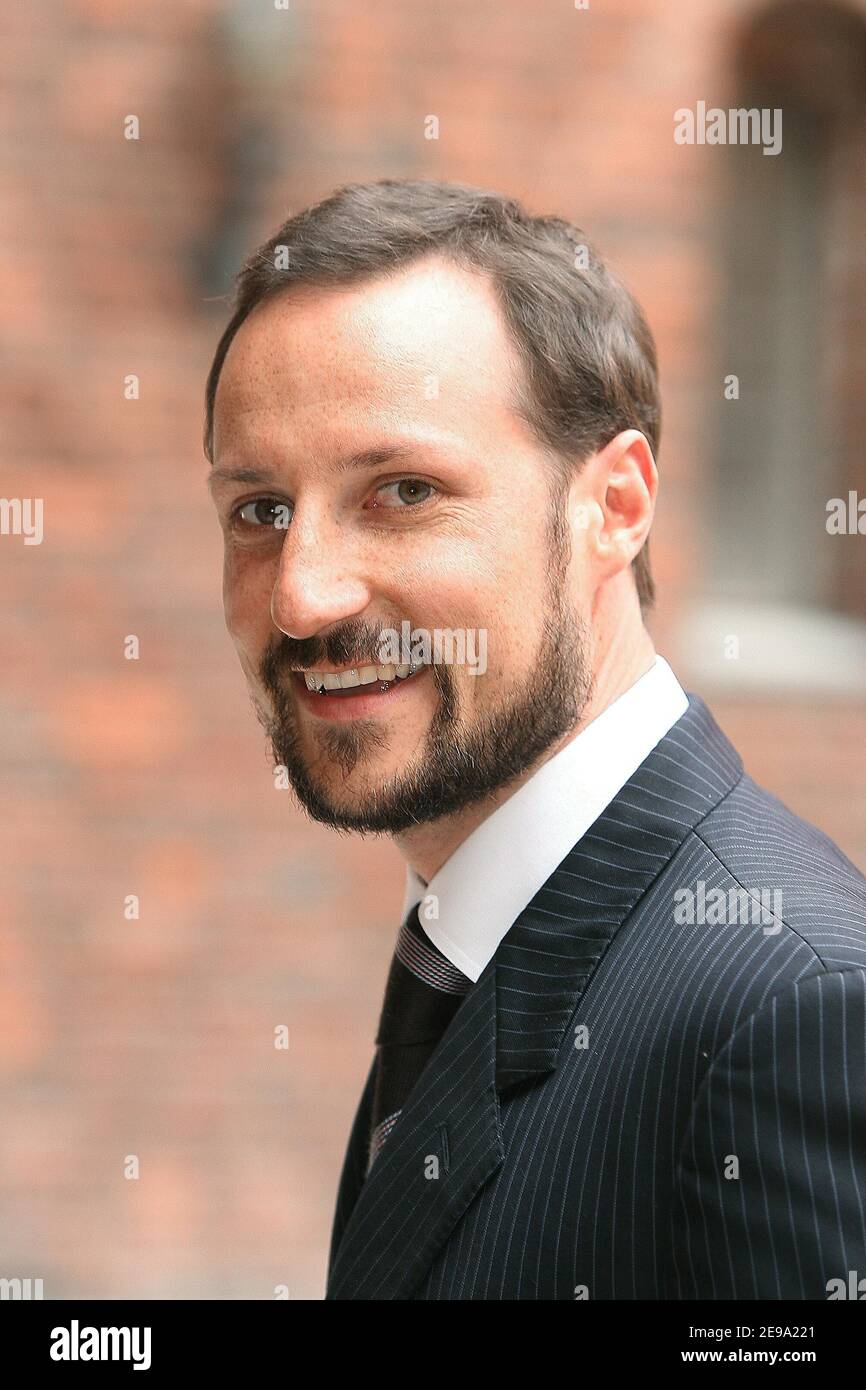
247	594
497	609
515	622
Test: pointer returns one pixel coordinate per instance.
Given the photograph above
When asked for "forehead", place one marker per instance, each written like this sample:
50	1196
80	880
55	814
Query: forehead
427	341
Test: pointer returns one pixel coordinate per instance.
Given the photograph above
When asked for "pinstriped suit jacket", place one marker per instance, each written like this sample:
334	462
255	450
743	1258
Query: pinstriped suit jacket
632	1105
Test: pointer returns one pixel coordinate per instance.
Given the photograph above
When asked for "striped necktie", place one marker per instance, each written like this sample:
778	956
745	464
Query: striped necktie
423	993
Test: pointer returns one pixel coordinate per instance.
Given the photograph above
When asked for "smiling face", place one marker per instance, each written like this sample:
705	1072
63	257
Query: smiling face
369	472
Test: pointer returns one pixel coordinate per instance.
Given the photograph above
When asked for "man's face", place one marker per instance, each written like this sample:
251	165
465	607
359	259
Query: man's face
369	473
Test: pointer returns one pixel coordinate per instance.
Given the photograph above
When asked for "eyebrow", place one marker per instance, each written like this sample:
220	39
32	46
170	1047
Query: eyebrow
363	458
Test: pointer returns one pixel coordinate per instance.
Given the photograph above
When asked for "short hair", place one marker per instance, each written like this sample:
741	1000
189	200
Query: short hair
588	355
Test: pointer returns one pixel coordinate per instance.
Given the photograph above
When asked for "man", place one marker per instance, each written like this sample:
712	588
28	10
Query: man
621	1051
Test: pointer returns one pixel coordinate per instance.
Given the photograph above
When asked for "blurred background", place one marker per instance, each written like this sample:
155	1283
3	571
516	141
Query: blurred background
144	786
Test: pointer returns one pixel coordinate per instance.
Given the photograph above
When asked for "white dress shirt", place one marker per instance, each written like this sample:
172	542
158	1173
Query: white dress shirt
491	877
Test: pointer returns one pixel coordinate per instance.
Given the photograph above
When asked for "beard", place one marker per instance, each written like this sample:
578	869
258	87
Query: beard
458	765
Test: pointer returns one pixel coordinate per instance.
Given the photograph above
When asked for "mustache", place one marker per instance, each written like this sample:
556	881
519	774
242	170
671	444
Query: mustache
353	644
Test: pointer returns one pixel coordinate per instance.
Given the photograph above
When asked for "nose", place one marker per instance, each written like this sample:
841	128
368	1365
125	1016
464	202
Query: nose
318	582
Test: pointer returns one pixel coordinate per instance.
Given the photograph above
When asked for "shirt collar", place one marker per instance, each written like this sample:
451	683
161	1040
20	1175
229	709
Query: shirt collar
475	898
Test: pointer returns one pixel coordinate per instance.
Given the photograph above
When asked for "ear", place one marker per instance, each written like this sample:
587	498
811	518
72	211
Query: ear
623	481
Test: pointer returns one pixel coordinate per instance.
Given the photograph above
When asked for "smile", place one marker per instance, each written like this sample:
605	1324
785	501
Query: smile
356	679
358	692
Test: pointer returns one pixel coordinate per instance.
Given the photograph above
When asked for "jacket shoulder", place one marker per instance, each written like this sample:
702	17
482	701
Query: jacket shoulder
764	846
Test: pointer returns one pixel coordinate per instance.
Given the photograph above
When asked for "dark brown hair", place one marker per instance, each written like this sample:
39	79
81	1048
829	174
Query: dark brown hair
587	352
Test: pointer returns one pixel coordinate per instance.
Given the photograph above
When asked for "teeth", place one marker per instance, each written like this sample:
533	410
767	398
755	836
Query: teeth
365	675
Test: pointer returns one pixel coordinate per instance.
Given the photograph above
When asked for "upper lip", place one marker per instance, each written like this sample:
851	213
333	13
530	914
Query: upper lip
335	670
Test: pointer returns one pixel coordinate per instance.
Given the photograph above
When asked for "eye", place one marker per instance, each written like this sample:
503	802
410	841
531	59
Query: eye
265	511
404	493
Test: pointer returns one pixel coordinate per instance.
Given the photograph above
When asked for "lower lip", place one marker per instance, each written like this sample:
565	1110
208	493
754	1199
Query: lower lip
342	708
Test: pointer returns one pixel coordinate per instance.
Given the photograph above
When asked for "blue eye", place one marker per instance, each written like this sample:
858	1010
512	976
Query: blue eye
266	511
408	490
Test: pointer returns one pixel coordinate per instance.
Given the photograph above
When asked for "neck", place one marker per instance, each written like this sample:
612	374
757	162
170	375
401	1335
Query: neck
623	654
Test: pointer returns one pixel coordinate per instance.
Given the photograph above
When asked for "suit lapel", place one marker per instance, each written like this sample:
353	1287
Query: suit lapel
354	1165
510	1027
444	1147
546	960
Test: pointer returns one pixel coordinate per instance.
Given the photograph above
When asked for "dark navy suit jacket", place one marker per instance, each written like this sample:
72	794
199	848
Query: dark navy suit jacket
630	1104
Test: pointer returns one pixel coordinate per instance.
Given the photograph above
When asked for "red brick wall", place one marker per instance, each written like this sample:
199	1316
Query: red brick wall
154	1037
